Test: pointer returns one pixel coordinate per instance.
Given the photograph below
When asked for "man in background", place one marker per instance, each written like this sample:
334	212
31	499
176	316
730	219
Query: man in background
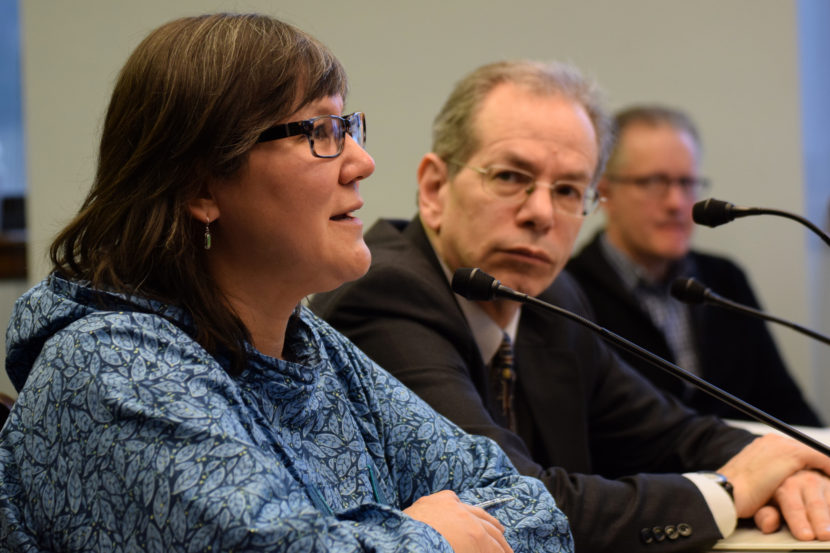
517	149
651	181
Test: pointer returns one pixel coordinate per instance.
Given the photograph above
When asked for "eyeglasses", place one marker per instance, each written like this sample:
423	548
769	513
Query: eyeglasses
516	185
326	134
658	185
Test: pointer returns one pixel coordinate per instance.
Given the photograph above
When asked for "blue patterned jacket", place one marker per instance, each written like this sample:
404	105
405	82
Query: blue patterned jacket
128	436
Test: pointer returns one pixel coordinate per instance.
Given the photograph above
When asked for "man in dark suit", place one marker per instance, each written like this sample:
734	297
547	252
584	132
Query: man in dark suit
651	181
517	148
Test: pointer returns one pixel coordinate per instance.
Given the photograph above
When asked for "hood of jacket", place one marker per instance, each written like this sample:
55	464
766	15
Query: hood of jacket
55	303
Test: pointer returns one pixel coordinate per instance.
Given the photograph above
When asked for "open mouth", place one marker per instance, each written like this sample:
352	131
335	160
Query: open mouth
349	214
343	217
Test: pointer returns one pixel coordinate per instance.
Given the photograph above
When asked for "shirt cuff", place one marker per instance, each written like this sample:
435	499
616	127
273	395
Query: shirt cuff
720	504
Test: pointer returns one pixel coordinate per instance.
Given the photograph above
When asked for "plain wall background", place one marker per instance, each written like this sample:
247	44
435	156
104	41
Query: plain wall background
732	64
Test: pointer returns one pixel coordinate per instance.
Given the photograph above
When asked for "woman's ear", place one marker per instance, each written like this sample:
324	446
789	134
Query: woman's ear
203	207
432	190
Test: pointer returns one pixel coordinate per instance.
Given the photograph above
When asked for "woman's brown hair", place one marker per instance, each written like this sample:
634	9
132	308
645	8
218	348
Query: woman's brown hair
187	107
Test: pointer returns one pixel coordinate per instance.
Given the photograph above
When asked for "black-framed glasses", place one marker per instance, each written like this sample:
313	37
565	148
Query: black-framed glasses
516	185
658	184
326	134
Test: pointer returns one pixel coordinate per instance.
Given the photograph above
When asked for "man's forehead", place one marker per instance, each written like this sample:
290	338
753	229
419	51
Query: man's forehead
642	142
533	147
512	113
508	105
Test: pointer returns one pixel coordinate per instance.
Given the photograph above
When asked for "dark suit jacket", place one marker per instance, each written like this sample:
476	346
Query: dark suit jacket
736	352
589	426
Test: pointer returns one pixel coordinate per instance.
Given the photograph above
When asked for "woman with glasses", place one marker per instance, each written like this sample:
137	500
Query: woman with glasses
174	395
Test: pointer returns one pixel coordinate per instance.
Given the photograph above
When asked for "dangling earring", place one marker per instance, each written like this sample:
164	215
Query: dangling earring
208	237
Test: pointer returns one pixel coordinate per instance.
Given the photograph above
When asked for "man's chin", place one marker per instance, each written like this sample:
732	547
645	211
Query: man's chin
674	245
674	253
529	284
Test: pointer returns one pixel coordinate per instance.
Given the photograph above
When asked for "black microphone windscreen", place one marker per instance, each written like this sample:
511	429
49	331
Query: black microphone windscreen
688	290
474	284
712	212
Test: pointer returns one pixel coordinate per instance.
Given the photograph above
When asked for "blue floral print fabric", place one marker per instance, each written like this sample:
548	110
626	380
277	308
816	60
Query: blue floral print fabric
129	436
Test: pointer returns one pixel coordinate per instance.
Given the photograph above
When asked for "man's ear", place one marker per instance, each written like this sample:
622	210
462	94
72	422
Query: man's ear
604	189
432	190
607	190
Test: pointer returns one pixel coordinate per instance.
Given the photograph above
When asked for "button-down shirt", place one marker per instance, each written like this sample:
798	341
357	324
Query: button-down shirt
670	316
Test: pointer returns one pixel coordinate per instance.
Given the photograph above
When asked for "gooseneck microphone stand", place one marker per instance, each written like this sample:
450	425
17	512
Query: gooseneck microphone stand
476	285
713	213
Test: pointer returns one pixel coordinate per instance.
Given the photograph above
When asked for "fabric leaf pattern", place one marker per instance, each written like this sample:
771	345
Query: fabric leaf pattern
128	436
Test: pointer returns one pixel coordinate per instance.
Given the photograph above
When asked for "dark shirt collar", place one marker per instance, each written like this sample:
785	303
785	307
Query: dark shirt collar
634	276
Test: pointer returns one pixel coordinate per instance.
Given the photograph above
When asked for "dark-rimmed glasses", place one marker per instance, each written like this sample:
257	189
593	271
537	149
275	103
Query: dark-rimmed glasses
658	184
326	134
516	185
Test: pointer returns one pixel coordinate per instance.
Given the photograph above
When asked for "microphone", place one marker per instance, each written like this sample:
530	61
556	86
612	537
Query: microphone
475	284
713	213
692	291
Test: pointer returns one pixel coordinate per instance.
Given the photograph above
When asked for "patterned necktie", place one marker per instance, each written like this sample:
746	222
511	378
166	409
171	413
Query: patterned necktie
503	381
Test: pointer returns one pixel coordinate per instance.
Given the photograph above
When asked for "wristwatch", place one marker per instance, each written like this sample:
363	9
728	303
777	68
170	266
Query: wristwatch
721	480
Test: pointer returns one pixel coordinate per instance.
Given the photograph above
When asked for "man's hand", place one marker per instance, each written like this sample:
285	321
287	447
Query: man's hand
804	501
770	472
468	529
